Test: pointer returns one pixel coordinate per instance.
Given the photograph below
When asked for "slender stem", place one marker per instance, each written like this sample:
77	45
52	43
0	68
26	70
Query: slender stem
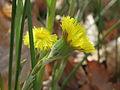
50	15
98	8
110	4
59	72
28	84
20	47
18	19
116	58
116	25
77	66
40	65
53	87
32	51
72	72
81	10
64	8
40	75
39	79
11	44
72	8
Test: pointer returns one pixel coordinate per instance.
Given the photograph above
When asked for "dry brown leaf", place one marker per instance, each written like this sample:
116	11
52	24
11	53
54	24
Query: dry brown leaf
7	10
98	76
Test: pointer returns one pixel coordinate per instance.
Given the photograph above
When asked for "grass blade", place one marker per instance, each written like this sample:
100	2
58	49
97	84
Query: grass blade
19	48
72	8
32	52
18	19
11	44
81	10
110	4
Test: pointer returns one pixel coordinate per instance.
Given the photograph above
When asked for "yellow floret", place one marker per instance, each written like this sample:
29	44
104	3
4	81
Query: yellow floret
76	35
43	40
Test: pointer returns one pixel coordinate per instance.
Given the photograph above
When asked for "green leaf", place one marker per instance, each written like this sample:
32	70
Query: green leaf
18	56
18	20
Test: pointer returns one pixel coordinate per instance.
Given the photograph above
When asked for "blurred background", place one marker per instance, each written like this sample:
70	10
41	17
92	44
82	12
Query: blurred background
101	71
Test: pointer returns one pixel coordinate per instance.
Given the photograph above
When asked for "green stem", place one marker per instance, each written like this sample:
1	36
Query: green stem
110	30
40	74
50	15
20	47
59	72
77	66
72	73
39	79
22	62
53	87
40	65
18	19
28	84
64	8
11	44
72	8
110	4
32	52
81	11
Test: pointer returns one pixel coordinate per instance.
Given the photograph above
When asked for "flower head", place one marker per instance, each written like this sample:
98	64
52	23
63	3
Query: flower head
75	35
43	40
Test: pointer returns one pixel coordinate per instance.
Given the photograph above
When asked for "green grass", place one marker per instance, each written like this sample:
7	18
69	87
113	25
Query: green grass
11	44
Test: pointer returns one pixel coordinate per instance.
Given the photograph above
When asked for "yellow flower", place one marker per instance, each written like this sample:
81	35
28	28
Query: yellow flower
43	40
75	35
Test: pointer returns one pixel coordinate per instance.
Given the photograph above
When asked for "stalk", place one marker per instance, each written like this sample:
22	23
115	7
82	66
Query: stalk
110	4
81	10
20	47
72	73
53	87
11	44
32	52
39	79
72	8
50	14
58	73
